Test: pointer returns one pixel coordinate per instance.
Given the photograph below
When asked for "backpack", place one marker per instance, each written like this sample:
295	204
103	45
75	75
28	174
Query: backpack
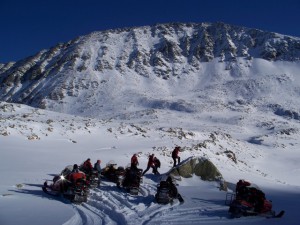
157	162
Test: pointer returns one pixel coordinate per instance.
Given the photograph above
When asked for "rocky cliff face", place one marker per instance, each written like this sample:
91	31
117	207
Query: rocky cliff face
162	51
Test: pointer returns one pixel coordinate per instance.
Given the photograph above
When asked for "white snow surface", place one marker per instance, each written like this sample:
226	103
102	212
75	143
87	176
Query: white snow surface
35	144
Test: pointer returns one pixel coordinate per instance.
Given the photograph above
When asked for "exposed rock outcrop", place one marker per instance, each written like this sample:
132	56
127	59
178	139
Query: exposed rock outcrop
201	167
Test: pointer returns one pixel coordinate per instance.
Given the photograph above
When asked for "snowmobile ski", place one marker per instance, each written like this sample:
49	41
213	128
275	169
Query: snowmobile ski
50	192
280	214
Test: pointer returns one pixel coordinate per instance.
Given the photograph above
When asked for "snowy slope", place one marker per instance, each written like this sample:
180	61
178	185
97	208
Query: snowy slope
266	156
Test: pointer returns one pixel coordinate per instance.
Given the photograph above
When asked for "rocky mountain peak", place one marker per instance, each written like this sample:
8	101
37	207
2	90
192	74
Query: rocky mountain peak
163	51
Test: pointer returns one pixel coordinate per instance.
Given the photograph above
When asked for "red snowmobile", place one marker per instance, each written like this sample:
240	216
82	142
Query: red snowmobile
249	200
76	191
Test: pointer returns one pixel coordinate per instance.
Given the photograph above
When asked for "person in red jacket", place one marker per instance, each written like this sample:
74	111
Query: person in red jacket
151	164
134	162
75	175
87	166
241	188
175	155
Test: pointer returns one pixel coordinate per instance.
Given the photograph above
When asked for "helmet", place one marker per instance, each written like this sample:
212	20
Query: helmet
75	166
98	161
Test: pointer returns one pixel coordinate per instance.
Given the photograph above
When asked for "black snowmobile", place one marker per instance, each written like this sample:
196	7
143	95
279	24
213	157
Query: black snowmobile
114	173
167	192
92	177
75	192
132	180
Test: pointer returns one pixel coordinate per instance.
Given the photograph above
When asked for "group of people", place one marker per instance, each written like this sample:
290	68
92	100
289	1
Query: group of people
154	162
87	175
88	167
84	171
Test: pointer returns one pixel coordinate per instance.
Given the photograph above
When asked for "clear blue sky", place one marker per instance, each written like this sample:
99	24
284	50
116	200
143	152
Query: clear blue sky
28	26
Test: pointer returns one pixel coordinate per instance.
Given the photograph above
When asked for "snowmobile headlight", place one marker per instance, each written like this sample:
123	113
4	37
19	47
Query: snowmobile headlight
62	177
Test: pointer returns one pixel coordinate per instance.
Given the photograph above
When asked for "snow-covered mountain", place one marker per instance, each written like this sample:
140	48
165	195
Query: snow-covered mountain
166	66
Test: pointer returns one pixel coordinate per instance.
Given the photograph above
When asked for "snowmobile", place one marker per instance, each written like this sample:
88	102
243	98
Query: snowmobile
163	195
251	201
92	177
239	208
76	192
114	174
132	180
167	192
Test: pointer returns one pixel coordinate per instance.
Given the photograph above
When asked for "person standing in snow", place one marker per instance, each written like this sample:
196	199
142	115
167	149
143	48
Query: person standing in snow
175	155
150	164
134	162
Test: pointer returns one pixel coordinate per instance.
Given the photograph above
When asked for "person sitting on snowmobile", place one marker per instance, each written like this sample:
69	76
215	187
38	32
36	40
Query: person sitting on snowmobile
76	175
97	167
171	187
241	188
87	166
150	164
175	155
75	169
